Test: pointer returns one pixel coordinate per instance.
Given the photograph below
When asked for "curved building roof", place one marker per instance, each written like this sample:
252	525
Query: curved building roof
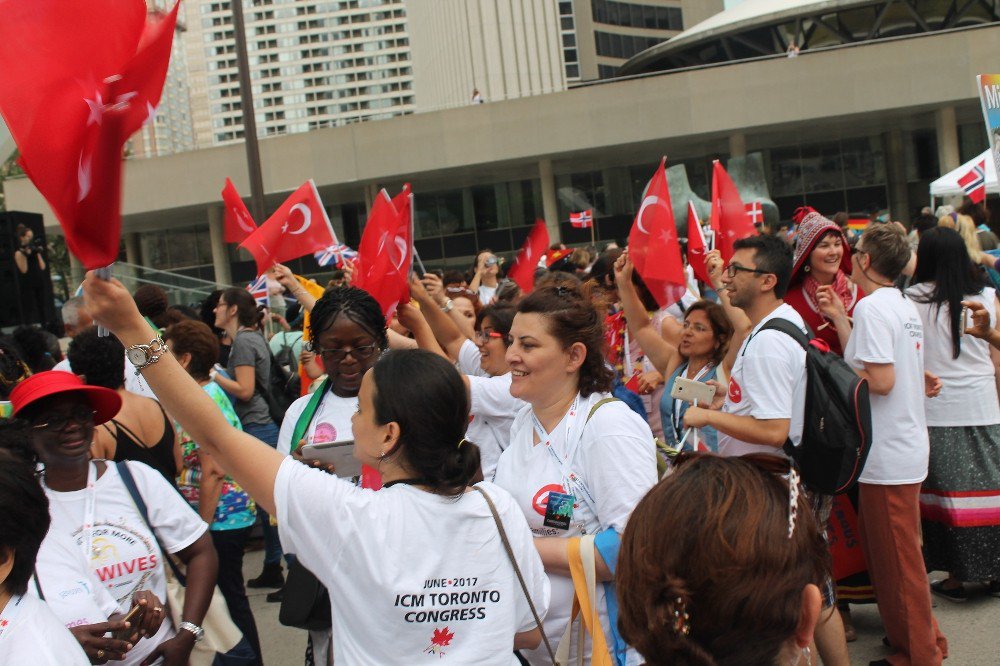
757	28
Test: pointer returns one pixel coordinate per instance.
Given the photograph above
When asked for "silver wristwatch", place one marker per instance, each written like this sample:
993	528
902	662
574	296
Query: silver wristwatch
448	305
198	632
142	355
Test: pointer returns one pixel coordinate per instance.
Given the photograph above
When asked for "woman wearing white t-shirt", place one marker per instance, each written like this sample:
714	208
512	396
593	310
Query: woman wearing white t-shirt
566	443
416	569
29	632
100	558
963	422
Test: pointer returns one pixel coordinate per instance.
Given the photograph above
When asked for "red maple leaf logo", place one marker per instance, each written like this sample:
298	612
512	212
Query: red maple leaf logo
442	637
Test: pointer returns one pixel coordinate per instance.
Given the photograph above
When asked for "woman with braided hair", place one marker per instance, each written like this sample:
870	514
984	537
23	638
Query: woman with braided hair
720	565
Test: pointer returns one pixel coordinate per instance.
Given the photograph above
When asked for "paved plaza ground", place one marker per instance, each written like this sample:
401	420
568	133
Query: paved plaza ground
972	628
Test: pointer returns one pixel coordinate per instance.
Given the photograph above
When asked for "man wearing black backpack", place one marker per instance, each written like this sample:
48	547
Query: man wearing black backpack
765	402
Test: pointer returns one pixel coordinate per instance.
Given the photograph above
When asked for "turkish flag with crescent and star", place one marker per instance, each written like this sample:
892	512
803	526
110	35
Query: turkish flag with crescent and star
696	245
653	245
522	272
299	227
237	223
729	214
385	253
77	79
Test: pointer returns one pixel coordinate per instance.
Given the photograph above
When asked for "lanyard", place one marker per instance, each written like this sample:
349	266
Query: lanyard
571	480
677	413
9	614
88	515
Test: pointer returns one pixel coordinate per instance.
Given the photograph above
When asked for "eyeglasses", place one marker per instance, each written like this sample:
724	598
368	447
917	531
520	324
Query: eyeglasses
485	335
337	355
80	416
732	269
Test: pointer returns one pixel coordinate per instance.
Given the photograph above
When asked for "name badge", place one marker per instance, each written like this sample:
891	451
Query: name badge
559	510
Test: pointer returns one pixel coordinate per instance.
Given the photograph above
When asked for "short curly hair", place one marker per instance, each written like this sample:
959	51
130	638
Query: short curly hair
101	360
25	518
196	338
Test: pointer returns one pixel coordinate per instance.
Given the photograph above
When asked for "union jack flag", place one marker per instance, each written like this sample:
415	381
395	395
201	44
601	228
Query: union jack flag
258	289
336	255
974	183
583	220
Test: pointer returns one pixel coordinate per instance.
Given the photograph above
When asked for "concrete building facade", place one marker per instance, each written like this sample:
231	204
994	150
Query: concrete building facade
832	131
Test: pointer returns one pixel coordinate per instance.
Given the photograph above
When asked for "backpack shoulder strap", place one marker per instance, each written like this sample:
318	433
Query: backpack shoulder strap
789	329
306	417
597	405
126	476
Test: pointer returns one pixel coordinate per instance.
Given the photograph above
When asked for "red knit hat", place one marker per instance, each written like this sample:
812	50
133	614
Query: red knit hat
811	227
105	402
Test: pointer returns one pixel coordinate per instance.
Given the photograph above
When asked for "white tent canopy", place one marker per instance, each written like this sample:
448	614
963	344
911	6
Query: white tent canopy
947	185
6	142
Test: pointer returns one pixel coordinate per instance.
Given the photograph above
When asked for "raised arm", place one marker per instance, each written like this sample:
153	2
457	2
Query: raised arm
661	354
288	280
253	464
413	319
445	330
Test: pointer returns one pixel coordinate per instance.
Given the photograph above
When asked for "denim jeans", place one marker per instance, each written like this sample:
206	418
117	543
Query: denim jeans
229	545
267	433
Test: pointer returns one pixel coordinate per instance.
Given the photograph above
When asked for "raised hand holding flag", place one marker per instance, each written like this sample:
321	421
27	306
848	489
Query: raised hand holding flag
300	226
522	272
697	248
237	222
653	244
77	79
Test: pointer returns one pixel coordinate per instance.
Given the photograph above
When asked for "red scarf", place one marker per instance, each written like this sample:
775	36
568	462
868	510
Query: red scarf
843	287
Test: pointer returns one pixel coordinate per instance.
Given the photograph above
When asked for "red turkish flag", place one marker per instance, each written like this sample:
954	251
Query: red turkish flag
653	245
77	79
299	227
729	215
526	263
696	246
385	252
237	223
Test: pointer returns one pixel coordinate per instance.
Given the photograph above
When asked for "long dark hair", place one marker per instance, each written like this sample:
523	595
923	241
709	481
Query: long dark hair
944	262
425	395
248	313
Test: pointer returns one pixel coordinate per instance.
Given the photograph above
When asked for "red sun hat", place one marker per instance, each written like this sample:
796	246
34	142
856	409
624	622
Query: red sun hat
105	401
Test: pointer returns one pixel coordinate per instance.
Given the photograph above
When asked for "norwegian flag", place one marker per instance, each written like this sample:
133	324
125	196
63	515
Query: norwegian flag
583	220
974	183
755	212
335	255
258	289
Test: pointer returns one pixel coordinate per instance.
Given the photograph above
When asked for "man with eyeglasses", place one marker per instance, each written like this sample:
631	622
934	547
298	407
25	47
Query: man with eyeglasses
765	400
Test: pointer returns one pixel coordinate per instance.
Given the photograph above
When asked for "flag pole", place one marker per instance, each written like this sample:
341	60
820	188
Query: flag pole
249	119
103	274
593	224
413	238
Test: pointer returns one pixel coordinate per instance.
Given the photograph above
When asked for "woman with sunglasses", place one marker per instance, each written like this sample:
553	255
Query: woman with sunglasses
101	557
417	570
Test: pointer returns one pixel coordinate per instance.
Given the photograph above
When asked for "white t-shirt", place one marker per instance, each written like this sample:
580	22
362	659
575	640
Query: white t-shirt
470	360
616	459
31	634
887	329
126	556
969	392
492	411
331	423
768	381
486	294
412	575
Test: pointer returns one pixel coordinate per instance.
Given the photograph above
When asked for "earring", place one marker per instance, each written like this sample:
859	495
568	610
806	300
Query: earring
806	269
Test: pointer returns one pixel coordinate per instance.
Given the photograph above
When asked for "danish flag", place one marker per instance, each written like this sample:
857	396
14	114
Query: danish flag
335	255
583	220
258	289
974	182
755	212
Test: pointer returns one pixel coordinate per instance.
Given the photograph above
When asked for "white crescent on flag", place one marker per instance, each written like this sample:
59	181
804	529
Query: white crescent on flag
306	217
651	200
245	224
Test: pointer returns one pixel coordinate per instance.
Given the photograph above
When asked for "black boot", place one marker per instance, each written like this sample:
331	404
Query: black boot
270	577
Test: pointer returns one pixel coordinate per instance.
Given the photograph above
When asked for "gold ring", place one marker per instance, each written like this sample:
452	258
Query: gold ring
100	654
158	609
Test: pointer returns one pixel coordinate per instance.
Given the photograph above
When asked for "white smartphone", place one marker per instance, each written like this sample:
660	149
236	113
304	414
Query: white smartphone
339	454
689	390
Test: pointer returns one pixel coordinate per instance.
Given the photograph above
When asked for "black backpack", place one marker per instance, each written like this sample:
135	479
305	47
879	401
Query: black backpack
837	429
281	391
